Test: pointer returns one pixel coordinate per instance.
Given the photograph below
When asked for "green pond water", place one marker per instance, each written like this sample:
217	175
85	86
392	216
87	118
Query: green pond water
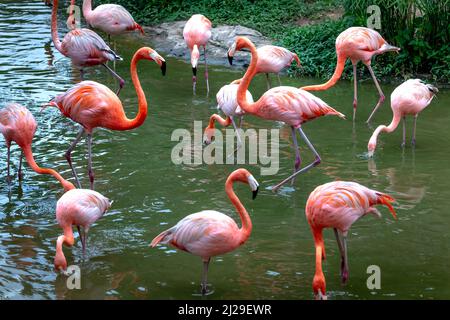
151	193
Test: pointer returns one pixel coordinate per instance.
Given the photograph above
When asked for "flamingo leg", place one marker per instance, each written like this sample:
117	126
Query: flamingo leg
206	70
268	81
315	163
380	92
413	140
115	75
279	79
343	251
82	239
298	159
345	267
69	155
404	132
205	275
19	173
355	92
90	170
8	159
82	74
239	140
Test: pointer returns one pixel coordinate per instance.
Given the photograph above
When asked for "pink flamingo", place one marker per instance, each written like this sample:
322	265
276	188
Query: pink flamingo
79	207
84	47
290	105
227	103
338	205
93	105
273	59
112	19
196	33
358	44
210	233
409	98
18	124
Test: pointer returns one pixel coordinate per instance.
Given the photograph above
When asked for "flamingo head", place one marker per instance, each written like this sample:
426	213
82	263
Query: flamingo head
195	56
243	175
371	146
72	21
60	262
208	135
150	54
386	47
239	44
319	287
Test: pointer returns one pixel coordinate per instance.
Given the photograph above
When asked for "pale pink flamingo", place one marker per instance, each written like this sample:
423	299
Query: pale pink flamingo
290	105
93	105
18	124
338	205
210	233
357	44
84	47
82	208
113	19
227	103
409	98
196	33
273	59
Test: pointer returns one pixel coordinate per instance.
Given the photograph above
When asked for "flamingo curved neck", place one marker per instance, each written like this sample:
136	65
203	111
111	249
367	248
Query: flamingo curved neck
142	101
54	27
319	278
245	81
30	159
334	78
246	228
382	128
223	122
87	9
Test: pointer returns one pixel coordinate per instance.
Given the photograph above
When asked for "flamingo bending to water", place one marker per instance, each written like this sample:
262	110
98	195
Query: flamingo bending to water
273	59
290	105
84	47
197	33
79	207
93	105
18	124
357	44
409	98
210	233
112	19
338	205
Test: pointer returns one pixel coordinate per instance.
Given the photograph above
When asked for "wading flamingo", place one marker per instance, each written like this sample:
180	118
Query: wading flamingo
227	103
357	44
210	233
93	105
273	59
79	207
409	98
18	124
113	19
196	33
84	47
338	205
290	105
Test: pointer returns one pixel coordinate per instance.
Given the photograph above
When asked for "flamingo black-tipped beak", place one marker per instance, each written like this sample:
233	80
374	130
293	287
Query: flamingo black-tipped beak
255	193
194	71
163	68
230	59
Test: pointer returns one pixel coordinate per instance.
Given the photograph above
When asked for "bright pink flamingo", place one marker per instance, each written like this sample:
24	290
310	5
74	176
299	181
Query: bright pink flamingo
112	19
93	105
273	59
79	207
18	124
196	33
338	205
84	47
357	44
409	98
290	105
210	233
227	103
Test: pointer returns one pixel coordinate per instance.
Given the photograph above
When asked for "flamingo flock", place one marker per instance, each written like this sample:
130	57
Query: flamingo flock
209	233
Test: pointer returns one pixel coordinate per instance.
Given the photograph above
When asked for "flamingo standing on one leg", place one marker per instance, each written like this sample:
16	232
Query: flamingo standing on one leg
79	207
93	105
273	59
409	98
84	47
113	19
290	105
196	33
357	44
210	233
227	102
338	205
18	124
